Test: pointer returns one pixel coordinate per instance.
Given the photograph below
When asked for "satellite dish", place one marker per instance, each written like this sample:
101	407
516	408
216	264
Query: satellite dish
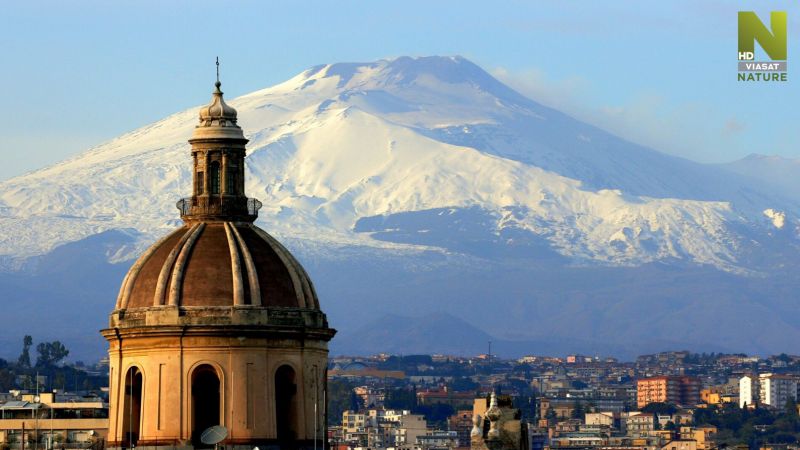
91	432
36	399
214	435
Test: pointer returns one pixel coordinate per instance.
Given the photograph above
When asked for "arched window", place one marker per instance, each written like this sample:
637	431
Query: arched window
286	404
132	407
205	402
213	177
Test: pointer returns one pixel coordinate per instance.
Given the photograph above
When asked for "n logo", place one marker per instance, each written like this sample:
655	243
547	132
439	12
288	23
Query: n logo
751	29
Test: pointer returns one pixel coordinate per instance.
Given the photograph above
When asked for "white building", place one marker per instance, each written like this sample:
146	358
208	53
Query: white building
775	390
748	391
767	389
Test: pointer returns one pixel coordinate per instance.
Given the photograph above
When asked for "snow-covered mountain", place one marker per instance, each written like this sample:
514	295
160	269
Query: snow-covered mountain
343	142
430	160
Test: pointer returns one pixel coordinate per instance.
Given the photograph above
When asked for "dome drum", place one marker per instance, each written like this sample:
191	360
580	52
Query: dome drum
238	317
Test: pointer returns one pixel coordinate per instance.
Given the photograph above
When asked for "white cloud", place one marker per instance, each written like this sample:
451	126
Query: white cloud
647	118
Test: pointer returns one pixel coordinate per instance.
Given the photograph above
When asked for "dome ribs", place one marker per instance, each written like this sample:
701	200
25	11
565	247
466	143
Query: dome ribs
208	276
306	288
133	273
236	266
176	281
252	276
163	276
291	265
217	264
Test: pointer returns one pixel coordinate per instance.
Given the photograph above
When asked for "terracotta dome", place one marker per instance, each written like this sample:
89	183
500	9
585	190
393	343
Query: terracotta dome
217	264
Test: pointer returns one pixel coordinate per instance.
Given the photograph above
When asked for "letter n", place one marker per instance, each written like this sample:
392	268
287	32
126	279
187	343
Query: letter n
751	29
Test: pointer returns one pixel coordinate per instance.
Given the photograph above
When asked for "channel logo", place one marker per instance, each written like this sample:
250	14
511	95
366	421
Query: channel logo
772	40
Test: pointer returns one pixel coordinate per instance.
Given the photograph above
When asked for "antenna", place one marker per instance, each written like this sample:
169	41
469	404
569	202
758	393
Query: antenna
217	69
214	435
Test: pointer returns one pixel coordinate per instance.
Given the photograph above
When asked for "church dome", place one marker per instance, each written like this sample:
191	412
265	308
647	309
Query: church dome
217	264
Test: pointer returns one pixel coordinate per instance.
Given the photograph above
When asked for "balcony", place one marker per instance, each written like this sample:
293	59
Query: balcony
219	208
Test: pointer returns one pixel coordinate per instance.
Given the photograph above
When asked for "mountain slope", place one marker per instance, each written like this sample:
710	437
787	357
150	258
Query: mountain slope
783	173
343	142
424	183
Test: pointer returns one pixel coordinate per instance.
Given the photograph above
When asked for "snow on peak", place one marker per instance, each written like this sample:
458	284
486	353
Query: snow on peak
404	71
342	142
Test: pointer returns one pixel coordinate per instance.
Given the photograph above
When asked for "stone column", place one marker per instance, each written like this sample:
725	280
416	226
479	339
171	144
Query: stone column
223	177
194	178
207	178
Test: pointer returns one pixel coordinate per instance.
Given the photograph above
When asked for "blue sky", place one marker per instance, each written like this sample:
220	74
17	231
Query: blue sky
658	73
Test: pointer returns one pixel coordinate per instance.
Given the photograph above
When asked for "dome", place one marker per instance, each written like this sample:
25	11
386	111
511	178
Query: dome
217	119
217	264
217	113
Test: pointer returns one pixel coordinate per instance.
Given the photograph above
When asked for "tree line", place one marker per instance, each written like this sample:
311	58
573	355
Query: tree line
47	362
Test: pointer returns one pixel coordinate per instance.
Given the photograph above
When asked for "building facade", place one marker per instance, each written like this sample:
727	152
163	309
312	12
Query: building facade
775	390
678	390
767	389
748	391
53	420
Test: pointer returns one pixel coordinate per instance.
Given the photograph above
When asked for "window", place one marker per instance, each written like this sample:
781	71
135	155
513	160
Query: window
206	401
213	177
231	181
200	180
286	404
131	407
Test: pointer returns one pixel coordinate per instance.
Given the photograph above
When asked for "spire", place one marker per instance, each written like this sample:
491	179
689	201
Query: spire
218	119
218	83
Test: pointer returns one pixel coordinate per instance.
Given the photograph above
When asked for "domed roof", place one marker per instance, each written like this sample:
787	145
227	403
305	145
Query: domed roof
217	112
217	264
217	119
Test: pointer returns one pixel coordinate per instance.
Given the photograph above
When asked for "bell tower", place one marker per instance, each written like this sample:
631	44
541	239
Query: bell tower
218	151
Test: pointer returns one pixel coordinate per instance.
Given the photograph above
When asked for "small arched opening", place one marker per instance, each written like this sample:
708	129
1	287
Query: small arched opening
286	404
205	402
213	177
132	407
